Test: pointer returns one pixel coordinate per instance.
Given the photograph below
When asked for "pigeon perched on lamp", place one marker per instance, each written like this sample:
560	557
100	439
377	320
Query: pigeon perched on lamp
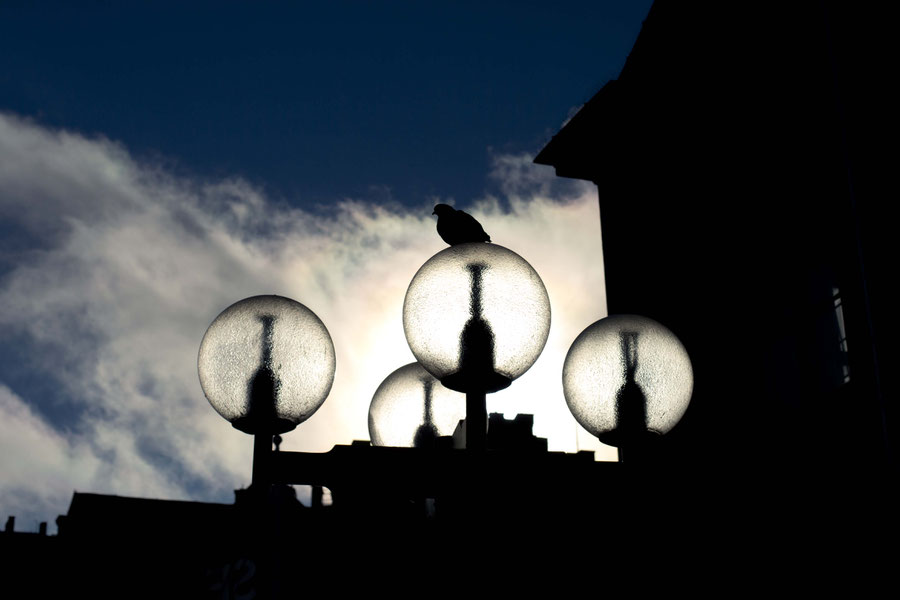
458	227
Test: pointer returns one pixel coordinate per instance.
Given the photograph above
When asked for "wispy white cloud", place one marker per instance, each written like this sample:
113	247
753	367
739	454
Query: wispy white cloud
120	266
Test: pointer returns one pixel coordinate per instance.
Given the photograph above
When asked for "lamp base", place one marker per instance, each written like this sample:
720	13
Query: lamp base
471	381
252	426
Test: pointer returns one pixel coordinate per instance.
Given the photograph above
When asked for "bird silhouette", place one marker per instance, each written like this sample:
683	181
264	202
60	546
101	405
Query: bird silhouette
457	227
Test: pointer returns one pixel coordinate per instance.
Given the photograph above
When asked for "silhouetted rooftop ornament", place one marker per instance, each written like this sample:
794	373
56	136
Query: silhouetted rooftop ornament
627	378
266	364
411	408
476	316
458	227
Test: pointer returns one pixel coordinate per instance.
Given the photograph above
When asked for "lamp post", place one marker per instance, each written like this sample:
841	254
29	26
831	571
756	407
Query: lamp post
476	316
266	364
627	379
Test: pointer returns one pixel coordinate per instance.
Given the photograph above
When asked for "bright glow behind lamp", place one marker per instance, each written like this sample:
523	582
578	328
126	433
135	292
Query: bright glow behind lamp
627	378
411	408
476	316
266	364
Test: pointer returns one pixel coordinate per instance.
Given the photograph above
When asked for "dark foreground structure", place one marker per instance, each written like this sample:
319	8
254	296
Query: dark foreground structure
743	205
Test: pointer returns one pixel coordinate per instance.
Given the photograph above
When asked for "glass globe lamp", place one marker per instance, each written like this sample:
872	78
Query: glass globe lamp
266	364
476	316
627	379
412	409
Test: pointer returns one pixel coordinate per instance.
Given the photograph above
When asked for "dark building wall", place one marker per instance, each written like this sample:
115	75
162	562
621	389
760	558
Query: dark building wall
734	210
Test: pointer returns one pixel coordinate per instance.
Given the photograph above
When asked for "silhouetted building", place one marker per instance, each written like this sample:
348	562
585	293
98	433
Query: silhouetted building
741	207
415	514
741	202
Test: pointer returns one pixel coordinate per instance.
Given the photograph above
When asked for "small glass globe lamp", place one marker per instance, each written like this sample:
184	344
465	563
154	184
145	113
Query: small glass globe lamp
412	409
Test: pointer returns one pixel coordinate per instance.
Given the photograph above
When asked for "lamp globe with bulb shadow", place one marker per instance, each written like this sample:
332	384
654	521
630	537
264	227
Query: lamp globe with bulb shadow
412	409
628	380
476	316
266	364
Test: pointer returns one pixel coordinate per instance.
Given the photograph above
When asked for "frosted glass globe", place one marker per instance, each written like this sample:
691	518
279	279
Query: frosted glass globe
271	348
476	316
626	376
411	408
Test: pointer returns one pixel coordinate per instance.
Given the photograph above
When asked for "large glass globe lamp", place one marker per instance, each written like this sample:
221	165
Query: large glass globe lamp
476	316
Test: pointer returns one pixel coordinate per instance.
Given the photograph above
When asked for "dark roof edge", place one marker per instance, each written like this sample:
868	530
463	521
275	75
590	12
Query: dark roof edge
561	151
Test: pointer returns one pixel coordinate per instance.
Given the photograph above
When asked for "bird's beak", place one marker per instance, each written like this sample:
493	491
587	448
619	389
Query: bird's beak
434	213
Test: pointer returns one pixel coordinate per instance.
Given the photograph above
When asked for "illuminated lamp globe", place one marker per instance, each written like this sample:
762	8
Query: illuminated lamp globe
476	316
627	379
412	409
266	364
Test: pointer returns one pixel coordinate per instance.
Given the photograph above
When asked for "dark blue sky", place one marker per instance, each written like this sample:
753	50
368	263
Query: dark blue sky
316	101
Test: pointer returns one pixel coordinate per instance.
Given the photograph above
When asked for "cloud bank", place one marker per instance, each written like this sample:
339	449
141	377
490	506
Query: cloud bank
111	269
